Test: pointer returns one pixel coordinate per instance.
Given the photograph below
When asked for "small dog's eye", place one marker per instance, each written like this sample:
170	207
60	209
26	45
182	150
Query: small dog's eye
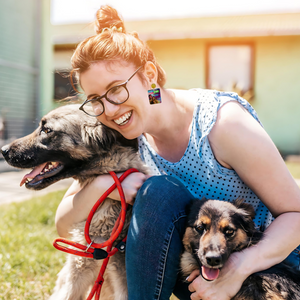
229	232
200	228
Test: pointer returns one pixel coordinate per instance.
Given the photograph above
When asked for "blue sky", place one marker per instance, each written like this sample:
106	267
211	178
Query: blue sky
83	11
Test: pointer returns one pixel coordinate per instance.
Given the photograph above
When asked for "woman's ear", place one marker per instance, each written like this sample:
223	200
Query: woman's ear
151	72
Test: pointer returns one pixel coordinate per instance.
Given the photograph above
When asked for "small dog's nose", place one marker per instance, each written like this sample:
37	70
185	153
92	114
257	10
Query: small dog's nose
4	150
214	260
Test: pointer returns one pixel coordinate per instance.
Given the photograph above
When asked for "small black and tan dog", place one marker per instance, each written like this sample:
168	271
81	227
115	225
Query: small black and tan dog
215	229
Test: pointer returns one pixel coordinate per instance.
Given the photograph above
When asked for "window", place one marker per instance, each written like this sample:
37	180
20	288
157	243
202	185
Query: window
62	85
230	67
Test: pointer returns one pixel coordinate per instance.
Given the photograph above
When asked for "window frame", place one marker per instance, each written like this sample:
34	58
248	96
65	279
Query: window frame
229	43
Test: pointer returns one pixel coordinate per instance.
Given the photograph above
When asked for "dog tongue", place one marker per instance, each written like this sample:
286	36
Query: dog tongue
209	273
36	171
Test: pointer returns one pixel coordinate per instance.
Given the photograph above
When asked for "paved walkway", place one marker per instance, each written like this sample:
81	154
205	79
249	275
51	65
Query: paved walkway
10	190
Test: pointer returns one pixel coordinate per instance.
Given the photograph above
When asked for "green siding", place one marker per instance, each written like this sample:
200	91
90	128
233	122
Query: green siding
21	47
277	85
17	78
46	89
16	100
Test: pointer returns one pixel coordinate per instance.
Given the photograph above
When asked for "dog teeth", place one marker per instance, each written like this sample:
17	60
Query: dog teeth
49	167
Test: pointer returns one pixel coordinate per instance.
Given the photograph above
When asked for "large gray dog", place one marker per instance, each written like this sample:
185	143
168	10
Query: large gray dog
68	143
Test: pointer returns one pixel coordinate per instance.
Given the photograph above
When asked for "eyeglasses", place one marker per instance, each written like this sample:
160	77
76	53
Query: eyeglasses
116	95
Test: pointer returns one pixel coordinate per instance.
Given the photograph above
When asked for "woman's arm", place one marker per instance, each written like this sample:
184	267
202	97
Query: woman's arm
77	202
240	143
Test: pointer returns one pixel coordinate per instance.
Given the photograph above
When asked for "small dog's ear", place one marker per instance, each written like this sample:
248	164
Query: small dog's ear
246	215
248	208
192	210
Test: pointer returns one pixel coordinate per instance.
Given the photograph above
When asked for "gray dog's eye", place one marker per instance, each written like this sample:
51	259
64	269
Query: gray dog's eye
46	130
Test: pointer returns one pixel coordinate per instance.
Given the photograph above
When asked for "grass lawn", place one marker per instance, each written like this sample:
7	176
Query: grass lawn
28	262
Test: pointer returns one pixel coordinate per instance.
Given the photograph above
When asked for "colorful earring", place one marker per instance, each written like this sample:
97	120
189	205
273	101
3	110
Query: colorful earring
154	95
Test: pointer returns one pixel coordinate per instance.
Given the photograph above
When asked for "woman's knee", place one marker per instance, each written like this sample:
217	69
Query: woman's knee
165	190
162	200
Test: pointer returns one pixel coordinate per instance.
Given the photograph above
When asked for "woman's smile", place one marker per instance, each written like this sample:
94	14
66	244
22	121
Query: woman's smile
124	119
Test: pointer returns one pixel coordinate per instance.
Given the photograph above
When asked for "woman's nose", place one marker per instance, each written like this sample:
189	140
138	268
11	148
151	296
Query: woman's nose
110	109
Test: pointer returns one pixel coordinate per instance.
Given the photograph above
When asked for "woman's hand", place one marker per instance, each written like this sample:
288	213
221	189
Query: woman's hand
78	202
131	184
225	286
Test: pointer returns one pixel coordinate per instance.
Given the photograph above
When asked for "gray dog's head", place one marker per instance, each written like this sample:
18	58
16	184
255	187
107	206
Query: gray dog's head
67	143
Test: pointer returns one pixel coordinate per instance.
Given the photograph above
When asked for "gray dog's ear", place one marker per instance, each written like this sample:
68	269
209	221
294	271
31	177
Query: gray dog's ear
97	136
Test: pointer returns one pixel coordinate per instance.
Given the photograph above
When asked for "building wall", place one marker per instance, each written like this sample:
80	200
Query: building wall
21	52
276	79
277	90
183	61
18	72
45	61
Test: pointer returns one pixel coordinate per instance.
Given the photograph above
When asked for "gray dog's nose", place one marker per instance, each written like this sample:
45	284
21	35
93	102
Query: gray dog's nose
4	150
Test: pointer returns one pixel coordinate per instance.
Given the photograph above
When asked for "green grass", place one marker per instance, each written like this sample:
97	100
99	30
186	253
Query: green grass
28	262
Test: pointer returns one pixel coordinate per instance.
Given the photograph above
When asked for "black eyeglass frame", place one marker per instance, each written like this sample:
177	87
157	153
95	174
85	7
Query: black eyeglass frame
105	96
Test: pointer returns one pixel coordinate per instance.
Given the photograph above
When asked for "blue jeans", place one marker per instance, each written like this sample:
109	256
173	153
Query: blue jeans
154	240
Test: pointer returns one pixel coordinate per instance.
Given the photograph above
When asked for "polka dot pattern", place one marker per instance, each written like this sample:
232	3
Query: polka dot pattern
198	169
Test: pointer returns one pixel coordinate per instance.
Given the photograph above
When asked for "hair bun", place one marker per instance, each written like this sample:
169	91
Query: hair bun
108	17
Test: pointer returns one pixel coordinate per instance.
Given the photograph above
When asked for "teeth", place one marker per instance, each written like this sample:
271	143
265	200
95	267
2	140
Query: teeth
123	119
50	166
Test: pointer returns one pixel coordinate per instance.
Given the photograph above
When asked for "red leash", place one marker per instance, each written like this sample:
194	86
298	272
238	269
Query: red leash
94	250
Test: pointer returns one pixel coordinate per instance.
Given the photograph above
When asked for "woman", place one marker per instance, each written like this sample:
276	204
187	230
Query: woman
211	143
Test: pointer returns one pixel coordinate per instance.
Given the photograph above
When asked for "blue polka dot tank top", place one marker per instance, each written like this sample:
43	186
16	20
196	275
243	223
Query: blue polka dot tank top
201	173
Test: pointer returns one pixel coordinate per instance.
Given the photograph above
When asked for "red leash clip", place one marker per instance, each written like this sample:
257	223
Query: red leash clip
94	250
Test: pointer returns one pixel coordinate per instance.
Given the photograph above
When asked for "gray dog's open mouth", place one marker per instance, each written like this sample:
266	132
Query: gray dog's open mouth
45	170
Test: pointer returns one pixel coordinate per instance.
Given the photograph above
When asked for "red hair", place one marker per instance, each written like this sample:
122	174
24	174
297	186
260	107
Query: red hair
113	43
